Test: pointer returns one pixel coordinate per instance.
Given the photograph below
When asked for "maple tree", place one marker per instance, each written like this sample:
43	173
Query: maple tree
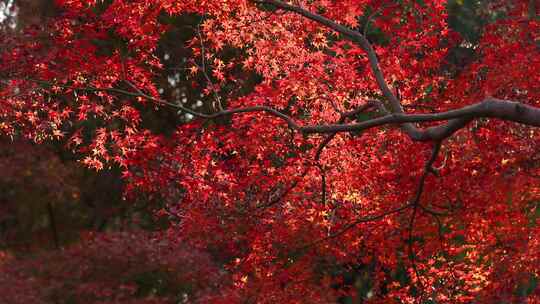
355	150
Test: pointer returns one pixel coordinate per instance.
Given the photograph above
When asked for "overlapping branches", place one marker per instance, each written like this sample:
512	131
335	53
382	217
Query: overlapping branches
457	119
489	108
454	120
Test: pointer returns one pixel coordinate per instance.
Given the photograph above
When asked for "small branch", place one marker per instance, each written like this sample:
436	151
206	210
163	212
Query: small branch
373	14
284	193
322	169
203	69
343	117
52	223
428	168
353	224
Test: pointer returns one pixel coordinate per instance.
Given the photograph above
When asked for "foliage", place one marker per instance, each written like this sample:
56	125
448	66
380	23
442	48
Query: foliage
134	267
314	155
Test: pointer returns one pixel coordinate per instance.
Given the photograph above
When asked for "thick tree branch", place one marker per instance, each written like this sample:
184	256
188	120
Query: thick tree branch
456	119
364	43
489	108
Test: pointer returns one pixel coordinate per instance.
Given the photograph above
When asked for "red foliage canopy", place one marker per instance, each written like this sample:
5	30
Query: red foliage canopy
358	165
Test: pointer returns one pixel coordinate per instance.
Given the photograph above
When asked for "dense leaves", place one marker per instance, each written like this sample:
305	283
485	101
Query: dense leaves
111	268
292	212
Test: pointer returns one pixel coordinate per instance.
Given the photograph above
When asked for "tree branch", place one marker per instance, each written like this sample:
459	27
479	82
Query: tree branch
456	119
353	224
342	119
364	43
428	169
489	108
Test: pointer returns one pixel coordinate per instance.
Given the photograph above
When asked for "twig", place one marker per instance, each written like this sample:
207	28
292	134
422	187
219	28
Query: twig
428	169
203	69
351	225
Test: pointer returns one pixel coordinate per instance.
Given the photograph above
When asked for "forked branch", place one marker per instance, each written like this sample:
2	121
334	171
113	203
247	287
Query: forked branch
455	119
